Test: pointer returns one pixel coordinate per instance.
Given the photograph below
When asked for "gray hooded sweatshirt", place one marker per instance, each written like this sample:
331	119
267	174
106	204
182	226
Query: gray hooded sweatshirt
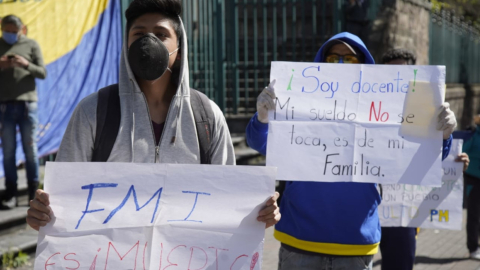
136	139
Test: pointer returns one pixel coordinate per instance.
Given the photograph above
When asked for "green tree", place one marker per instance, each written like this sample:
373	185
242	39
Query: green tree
468	9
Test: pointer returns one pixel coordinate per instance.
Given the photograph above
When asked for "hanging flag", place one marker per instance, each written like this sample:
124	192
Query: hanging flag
81	43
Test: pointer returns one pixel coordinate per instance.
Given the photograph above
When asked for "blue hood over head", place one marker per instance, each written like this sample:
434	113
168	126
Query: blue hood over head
351	40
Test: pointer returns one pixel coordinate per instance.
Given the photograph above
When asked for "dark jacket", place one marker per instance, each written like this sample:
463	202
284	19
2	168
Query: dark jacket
19	83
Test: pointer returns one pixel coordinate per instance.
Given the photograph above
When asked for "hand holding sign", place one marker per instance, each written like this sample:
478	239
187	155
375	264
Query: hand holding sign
446	120
265	102
39	213
463	157
271	213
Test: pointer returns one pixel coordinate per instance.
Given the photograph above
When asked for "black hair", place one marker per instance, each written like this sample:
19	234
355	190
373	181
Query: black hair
394	54
168	8
12	19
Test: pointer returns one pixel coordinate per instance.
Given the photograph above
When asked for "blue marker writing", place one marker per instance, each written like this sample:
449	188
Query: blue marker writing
324	86
193	208
305	76
138	207
90	193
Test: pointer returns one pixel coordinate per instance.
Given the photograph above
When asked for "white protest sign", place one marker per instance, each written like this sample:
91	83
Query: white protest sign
360	123
406	205
154	216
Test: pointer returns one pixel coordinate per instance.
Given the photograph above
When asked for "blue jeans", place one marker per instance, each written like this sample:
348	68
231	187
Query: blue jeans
24	115
289	260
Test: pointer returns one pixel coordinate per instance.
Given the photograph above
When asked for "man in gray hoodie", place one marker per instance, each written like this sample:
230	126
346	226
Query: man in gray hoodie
157	122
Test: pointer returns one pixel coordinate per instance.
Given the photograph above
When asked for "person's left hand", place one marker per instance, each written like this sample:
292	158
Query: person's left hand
19	61
446	120
270	214
463	157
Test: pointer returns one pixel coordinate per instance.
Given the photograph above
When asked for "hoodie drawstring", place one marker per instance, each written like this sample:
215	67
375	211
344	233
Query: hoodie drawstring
177	120
132	159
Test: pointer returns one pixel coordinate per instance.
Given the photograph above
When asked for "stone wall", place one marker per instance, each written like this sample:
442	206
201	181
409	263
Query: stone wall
402	24
405	24
464	102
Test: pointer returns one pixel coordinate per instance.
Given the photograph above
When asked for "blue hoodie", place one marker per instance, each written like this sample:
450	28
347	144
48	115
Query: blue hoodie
329	218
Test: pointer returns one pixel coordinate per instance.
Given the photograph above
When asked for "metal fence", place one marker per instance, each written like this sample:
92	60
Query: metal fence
456	45
232	42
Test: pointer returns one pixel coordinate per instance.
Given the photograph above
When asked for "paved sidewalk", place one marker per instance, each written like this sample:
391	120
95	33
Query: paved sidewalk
441	250
436	250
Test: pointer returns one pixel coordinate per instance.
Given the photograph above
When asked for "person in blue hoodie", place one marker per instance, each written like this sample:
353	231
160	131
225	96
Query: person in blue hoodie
329	225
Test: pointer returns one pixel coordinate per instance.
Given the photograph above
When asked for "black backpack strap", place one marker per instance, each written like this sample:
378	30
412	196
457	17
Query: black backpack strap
108	122
204	121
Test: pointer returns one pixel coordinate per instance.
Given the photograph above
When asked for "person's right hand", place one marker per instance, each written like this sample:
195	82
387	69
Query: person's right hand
463	157
265	102
5	62
39	213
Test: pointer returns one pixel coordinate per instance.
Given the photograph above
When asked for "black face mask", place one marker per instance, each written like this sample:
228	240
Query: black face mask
148	57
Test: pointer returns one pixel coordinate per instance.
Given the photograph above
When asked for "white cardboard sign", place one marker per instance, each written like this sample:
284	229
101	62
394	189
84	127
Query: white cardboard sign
360	123
406	205
154	216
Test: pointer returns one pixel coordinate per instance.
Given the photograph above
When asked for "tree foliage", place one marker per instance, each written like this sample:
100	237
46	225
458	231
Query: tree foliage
469	10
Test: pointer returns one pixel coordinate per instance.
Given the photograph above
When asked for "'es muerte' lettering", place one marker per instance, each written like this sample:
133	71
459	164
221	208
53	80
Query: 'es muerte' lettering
361	167
129	257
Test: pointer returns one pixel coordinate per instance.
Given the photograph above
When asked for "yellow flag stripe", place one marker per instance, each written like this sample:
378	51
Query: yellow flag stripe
57	25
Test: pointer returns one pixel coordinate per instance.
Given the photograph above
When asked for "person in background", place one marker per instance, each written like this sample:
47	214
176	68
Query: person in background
398	244
312	233
21	62
472	177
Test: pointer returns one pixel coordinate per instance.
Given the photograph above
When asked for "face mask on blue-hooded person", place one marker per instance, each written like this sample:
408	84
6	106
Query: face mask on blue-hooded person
148	57
10	38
